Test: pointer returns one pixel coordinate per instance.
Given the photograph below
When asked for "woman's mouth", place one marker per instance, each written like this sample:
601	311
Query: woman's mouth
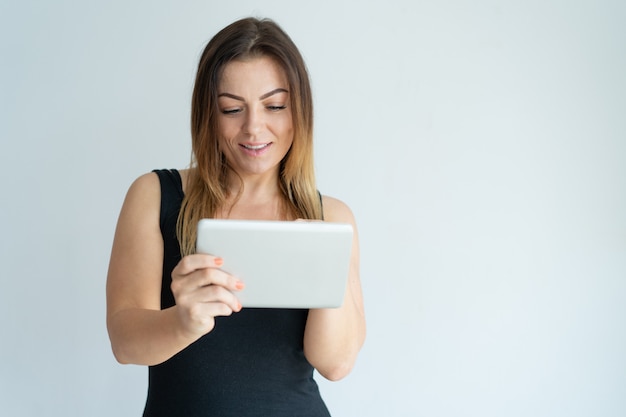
256	149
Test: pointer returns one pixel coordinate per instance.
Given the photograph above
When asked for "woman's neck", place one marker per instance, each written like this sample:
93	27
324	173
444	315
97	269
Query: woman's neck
254	197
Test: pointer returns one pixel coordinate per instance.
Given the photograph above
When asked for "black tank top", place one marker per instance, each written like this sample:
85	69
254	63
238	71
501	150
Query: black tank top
251	364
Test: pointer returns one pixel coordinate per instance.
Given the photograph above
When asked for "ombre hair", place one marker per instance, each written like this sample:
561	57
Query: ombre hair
206	188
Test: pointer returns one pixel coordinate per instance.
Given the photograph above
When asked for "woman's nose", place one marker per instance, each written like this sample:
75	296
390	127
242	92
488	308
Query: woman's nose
254	122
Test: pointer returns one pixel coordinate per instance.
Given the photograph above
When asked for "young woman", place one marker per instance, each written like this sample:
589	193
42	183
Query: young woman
177	311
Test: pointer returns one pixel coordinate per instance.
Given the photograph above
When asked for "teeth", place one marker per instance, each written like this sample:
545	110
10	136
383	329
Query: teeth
255	147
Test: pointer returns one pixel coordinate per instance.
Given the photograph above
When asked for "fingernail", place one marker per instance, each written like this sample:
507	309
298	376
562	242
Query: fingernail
240	285
218	261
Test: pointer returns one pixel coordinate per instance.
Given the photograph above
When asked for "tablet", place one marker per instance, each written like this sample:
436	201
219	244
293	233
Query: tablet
284	264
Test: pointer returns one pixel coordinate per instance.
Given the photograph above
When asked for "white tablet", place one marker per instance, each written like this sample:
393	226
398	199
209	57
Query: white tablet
284	264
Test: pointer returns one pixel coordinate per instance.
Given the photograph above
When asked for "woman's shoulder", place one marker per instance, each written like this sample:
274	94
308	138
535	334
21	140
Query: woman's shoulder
146	188
184	174
336	210
143	193
145	183
150	181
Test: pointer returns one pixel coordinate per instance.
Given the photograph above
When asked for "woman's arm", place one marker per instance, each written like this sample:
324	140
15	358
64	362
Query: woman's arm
140	332
333	337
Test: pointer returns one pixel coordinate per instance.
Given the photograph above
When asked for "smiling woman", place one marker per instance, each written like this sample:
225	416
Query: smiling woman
255	120
229	54
177	311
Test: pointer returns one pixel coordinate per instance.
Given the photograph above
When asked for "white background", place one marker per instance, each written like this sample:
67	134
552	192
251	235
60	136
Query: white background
481	146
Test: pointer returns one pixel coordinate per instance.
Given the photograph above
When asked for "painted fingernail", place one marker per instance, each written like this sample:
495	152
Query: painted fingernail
219	261
240	285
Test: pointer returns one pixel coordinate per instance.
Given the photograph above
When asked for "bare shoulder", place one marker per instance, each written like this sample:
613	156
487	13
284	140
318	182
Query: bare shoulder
145	184
336	210
143	198
184	177
184	173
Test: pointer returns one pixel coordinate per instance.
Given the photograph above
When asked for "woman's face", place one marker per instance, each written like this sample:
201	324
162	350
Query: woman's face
254	120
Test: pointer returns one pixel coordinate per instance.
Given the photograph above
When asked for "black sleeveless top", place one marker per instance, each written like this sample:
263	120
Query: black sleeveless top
251	364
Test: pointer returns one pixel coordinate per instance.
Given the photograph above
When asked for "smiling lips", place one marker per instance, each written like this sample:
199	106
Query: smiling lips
255	150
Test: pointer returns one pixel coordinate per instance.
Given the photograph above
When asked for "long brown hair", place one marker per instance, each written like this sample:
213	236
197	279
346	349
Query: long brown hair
206	190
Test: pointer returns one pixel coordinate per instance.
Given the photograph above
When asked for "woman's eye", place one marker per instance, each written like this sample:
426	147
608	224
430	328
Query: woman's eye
276	108
231	111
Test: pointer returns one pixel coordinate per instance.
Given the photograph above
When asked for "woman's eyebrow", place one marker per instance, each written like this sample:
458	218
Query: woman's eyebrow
263	97
271	93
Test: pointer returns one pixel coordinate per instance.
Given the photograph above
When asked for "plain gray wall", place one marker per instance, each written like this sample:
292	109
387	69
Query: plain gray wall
481	145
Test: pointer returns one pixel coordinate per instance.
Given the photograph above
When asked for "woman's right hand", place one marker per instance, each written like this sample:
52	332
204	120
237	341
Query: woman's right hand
202	292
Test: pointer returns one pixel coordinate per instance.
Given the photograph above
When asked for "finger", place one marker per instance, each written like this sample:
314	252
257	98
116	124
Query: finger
214	294
207	295
204	278
219	309
213	276
200	318
206	311
191	263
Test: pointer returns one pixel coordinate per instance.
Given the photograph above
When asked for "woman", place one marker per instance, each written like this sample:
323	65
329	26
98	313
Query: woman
176	311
